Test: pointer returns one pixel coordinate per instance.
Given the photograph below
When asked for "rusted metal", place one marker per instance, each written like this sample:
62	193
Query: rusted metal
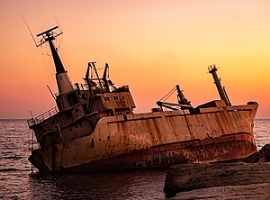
96	129
157	140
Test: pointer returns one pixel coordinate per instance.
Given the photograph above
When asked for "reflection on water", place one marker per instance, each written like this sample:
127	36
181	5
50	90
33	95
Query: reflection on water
118	185
17	182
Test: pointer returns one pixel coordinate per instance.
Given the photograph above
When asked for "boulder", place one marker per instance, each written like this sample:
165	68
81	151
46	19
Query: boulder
263	155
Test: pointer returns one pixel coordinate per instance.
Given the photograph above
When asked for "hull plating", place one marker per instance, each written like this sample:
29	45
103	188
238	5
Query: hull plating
155	140
227	148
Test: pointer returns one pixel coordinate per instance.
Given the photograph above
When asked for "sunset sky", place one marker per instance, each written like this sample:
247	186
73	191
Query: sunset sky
150	45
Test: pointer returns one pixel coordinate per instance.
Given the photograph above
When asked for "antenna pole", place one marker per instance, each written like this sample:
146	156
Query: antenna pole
51	92
29	30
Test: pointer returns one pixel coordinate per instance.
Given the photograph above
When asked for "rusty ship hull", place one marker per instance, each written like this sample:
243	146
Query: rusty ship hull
158	139
93	126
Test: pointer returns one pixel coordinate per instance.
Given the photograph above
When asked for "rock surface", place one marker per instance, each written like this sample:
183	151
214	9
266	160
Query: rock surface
239	192
254	170
187	177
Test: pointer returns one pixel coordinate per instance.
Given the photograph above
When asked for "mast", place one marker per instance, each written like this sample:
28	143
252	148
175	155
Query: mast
92	64
105	79
221	90
181	97
88	81
62	79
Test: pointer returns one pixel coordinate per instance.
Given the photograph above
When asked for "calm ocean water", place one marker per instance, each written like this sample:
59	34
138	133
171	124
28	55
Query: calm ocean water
18	182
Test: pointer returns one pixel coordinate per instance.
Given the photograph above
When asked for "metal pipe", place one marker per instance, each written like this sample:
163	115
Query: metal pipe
212	69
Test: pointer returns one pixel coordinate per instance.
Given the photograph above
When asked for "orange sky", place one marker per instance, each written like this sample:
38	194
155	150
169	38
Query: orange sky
151	45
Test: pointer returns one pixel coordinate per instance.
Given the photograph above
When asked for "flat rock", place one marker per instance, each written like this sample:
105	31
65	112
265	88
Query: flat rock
239	192
188	177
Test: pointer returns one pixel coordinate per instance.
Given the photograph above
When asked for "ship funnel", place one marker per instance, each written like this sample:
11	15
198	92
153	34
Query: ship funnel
62	79
221	90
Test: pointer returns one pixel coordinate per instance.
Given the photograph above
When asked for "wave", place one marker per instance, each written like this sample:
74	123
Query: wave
8	169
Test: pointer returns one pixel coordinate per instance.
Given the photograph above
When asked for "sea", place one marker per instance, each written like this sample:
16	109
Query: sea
19	180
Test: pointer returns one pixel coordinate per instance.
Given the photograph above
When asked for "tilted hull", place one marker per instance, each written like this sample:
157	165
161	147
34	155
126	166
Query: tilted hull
93	127
157	139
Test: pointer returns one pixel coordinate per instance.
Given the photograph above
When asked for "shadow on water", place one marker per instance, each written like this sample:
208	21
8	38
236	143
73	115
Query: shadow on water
141	184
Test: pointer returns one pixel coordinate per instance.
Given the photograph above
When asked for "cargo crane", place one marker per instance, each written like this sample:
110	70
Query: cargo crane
182	104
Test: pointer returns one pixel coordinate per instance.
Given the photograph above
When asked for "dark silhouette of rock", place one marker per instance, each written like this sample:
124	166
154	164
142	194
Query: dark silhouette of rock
261	156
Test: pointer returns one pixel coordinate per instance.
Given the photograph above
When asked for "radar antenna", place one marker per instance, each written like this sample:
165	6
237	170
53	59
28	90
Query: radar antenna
48	35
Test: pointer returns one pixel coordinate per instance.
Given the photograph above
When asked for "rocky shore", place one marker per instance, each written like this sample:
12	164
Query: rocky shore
253	170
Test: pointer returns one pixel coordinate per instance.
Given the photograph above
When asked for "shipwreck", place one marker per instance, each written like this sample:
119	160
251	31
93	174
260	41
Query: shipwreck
93	126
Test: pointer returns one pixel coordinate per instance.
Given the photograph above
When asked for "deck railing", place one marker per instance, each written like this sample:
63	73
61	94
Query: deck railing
42	117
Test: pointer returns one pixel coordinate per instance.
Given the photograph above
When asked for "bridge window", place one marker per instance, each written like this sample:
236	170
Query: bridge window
73	98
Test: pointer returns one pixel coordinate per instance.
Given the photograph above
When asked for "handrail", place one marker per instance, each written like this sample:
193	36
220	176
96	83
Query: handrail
43	117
